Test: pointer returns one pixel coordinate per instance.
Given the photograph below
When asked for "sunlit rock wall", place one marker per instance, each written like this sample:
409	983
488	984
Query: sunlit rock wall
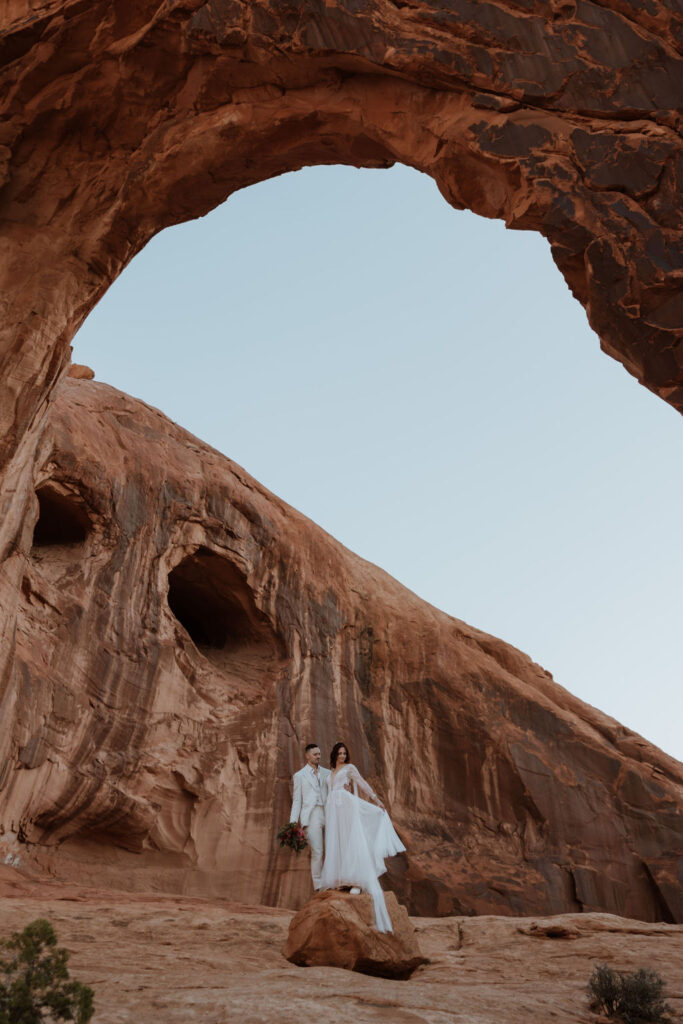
181	634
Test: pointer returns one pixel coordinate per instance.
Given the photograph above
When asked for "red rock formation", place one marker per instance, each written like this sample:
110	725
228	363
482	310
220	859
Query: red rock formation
119	119
80	372
134	718
335	929
181	633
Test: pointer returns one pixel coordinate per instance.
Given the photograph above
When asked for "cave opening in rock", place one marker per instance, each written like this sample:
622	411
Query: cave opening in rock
208	609
62	517
213	603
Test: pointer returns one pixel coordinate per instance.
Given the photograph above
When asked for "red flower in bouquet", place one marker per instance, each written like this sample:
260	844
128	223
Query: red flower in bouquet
293	836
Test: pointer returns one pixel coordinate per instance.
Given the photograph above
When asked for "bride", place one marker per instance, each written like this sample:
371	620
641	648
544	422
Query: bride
358	834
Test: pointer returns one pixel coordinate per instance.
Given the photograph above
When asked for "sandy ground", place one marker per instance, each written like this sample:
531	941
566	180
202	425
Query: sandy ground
172	959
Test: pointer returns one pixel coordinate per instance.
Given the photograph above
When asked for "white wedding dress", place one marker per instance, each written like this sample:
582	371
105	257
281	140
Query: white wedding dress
358	836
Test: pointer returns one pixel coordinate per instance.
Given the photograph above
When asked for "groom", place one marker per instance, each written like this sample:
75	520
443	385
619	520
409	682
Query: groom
308	805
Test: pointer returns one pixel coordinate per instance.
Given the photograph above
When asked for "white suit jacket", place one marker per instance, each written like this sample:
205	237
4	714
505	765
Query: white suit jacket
306	794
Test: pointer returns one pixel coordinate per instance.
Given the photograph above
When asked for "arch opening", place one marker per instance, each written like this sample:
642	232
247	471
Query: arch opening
497	380
194	105
520	122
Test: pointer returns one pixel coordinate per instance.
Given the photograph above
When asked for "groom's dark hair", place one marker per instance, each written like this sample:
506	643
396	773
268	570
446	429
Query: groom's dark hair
310	746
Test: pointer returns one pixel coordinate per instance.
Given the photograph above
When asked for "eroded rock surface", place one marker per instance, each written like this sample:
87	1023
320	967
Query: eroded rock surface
335	929
181	634
119	119
184	960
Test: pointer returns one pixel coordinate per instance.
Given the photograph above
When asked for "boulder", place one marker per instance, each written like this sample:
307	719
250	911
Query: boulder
78	371
335	929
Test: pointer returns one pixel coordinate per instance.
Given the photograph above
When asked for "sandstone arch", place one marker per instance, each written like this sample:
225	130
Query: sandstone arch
121	119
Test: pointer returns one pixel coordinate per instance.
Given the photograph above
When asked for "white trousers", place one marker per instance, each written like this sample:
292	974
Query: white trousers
315	832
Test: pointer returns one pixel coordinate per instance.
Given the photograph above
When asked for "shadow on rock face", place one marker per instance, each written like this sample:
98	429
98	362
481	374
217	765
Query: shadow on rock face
62	518
211	600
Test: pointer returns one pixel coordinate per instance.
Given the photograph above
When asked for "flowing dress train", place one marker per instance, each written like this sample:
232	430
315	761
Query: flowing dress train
358	836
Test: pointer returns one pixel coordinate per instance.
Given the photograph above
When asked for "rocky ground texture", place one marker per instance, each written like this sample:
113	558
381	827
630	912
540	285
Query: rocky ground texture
180	960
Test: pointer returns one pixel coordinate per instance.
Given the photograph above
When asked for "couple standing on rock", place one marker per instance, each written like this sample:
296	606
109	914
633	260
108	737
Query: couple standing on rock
349	836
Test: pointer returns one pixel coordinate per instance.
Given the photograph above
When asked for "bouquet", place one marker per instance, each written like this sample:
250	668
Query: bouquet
292	835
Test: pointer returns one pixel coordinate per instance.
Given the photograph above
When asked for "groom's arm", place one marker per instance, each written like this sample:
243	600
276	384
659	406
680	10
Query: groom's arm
296	802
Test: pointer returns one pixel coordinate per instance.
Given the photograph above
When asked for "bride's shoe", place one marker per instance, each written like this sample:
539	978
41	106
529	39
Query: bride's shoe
355	891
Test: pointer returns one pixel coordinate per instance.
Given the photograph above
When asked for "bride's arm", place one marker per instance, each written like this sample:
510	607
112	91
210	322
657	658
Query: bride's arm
364	787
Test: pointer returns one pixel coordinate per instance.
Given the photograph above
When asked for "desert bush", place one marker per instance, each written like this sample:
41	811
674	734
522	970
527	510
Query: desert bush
634	998
34	980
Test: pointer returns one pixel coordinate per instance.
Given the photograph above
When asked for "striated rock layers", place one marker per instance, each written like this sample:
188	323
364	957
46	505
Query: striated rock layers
181	633
118	119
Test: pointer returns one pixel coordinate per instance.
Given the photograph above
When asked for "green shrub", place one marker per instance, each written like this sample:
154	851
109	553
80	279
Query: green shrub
636	998
34	980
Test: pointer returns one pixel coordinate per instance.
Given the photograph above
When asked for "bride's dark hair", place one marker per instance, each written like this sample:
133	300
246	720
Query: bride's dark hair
335	751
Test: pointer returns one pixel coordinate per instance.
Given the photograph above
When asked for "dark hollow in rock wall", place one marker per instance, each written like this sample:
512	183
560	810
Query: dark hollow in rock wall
211	600
62	517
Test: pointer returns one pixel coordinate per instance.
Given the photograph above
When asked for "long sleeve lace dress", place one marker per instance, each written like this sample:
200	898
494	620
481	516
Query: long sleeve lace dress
358	836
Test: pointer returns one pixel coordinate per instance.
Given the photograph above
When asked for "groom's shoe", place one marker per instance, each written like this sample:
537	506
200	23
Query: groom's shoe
355	891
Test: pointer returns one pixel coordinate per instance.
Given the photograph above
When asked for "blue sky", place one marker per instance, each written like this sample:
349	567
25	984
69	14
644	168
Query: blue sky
421	383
